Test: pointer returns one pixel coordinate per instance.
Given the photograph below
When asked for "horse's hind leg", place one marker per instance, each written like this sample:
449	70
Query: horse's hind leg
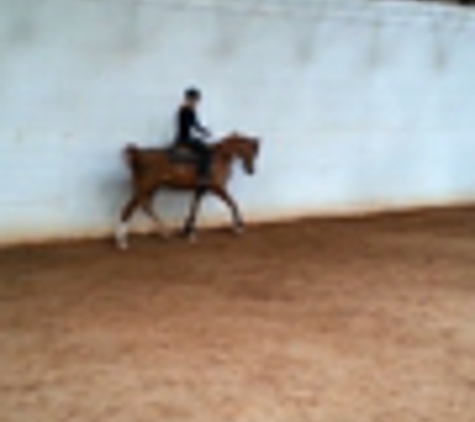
121	233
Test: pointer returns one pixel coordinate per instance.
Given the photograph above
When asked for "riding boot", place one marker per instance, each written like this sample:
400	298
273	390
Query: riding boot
204	170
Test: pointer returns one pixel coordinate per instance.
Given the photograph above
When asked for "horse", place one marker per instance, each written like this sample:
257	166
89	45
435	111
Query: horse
153	169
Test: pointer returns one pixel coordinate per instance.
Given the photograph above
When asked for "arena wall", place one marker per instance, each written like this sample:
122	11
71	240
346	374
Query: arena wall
361	106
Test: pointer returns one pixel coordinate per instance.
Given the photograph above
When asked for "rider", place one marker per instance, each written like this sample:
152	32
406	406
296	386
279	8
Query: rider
190	133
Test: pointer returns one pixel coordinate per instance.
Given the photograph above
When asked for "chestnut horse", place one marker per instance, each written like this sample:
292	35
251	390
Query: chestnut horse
157	168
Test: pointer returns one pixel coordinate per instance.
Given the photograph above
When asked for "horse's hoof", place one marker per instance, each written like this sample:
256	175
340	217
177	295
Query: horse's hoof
122	246
191	237
185	232
238	230
165	235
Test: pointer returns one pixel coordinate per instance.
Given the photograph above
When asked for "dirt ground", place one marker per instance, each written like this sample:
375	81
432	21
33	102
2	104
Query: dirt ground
320	320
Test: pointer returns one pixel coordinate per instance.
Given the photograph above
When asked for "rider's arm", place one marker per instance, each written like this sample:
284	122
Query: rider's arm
187	121
196	124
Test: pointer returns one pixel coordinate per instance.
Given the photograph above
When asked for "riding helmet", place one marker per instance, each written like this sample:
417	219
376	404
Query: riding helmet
192	94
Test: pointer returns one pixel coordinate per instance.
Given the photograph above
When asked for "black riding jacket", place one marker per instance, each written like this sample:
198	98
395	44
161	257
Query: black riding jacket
187	123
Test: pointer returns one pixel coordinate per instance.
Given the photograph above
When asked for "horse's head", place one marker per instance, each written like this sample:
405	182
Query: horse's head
244	147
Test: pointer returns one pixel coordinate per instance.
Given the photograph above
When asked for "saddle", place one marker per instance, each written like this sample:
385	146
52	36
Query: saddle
181	155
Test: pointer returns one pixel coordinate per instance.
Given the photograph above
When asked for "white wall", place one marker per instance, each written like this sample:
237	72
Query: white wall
360	105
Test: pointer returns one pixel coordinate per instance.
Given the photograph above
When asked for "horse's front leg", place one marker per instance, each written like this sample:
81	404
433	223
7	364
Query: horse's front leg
190	224
236	215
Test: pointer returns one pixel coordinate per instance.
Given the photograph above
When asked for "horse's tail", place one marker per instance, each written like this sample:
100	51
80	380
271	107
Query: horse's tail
131	156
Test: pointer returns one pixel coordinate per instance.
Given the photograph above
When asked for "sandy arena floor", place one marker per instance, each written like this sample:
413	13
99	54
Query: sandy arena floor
335	321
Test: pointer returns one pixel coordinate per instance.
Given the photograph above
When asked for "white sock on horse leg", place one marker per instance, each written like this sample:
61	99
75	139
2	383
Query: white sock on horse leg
121	235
